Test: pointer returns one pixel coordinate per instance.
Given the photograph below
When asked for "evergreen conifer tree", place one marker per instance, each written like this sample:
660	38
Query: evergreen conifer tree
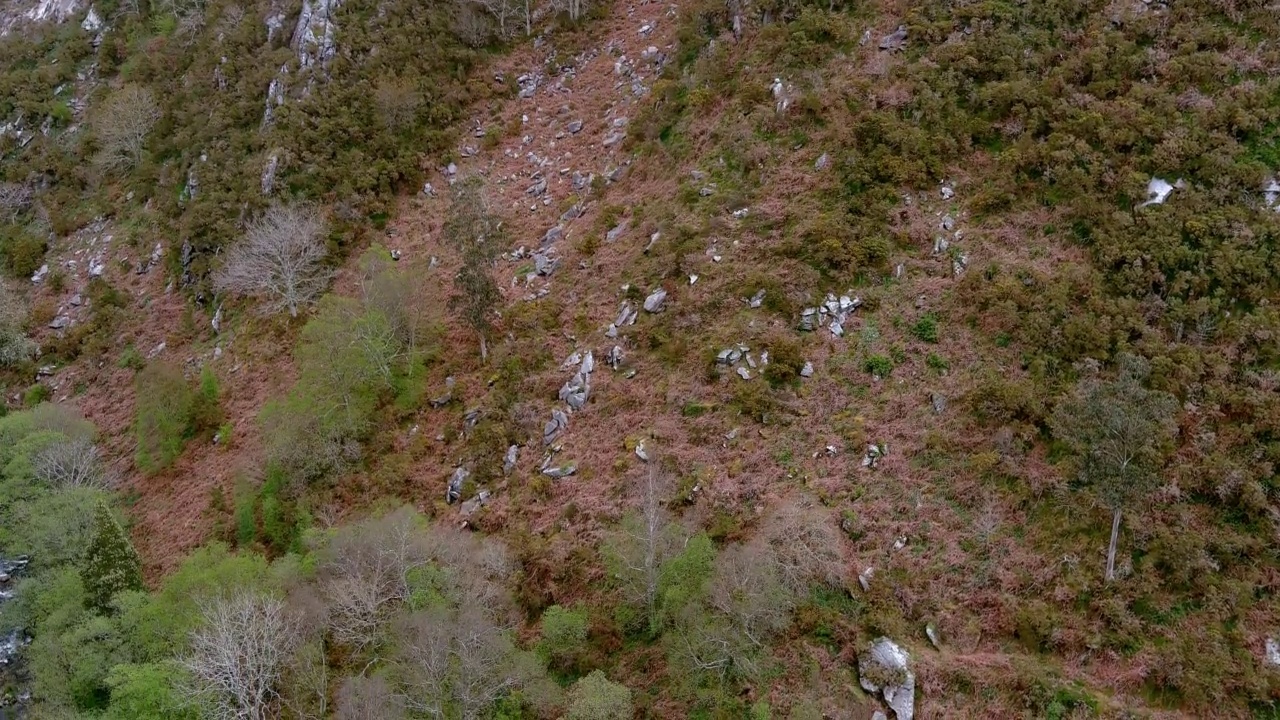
111	564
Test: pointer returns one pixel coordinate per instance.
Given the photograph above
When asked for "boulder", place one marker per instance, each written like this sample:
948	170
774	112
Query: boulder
574	127
454	491
756	300
895	40
558	423
616	232
560	472
807	370
884	669
575	391
1159	189
448	394
469	507
509	460
809	320
939	403
655	301
1272	656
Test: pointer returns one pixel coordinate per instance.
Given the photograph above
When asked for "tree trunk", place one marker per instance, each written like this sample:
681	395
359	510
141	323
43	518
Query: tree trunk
1111	548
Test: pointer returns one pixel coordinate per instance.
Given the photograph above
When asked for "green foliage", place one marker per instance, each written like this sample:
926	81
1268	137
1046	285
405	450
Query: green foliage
15	346
926	328
596	697
348	356
564	633
35	395
683	579
785	363
21	250
246	520
206	409
878	365
1119	431
131	359
111	565
476	234
163	415
147	692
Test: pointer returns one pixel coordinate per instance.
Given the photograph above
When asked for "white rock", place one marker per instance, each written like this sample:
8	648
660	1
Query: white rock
1272	655
1158	190
886	658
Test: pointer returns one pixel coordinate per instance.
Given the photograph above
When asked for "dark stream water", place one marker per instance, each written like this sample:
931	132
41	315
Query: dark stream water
14	681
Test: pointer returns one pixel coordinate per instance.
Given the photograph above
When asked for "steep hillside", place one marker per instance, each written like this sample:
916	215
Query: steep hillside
813	325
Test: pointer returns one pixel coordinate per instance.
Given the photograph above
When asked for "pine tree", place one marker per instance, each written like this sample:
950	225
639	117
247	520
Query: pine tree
111	564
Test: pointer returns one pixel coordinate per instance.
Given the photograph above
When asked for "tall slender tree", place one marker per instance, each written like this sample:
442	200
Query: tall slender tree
1119	432
476	233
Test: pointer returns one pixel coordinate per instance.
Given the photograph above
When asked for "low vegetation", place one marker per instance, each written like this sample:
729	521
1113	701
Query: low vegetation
1039	450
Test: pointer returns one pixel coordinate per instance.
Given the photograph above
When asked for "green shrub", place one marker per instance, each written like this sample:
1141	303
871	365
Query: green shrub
131	359
35	395
564	633
246	519
596	697
878	365
785	363
21	250
926	328
165	402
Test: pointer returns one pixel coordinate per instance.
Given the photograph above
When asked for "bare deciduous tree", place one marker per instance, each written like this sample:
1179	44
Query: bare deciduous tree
456	663
238	655
471	25
474	571
748	590
121	126
502	11
1119	430
577	9
74	462
367	574
279	260
805	545
368	698
15	198
643	543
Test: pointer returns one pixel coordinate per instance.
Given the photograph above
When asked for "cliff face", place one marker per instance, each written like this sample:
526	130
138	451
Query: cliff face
17	13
